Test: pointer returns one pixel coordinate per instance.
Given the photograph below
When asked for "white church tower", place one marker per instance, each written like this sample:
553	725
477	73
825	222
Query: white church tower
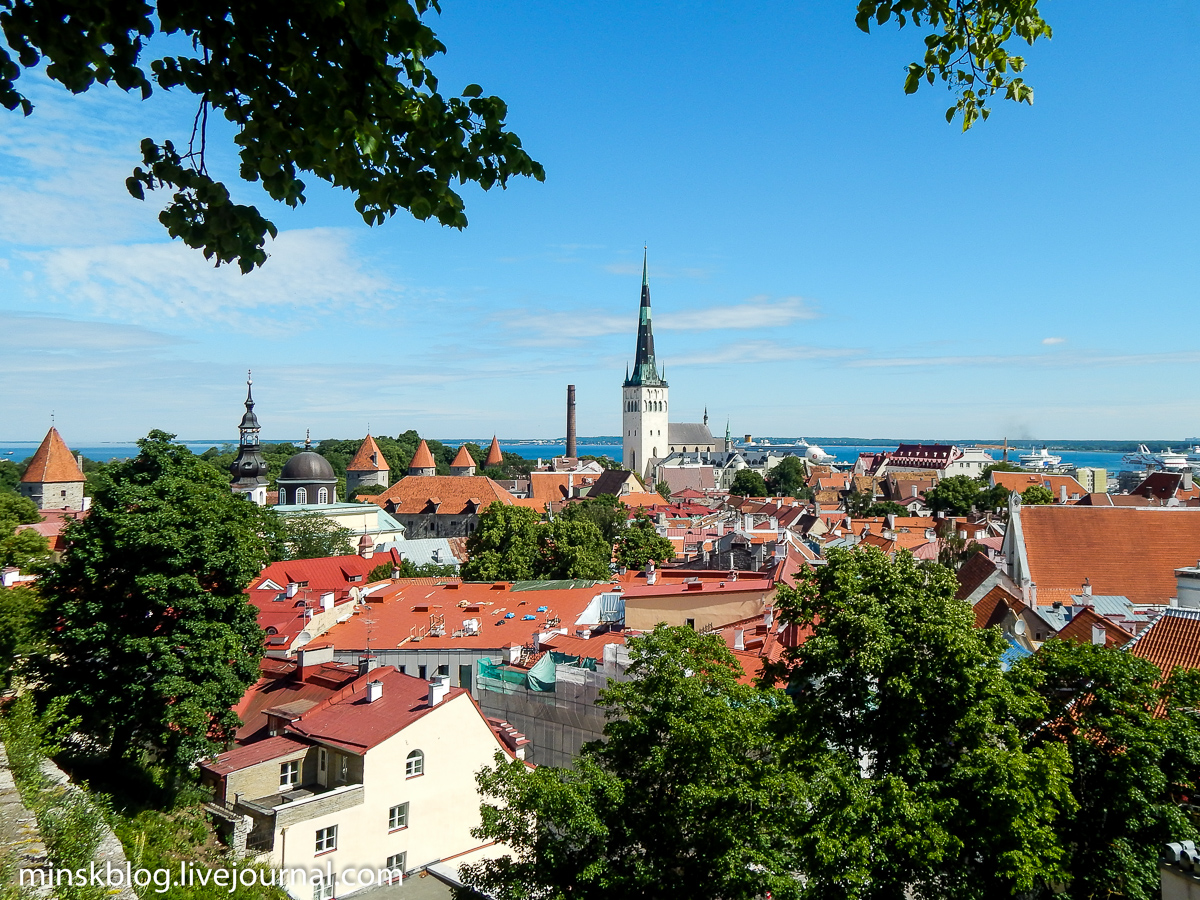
644	413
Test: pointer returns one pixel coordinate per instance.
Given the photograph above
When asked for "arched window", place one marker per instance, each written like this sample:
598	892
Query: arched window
323	495
301	495
415	764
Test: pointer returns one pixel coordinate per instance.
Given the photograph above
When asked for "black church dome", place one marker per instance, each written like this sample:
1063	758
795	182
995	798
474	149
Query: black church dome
308	465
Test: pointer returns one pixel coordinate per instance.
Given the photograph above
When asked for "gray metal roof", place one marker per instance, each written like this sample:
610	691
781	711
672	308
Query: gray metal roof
688	433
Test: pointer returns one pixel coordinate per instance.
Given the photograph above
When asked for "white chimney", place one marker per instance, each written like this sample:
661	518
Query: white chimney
439	687
768	618
748	522
912	490
774	523
374	691
739	639
1062	493
291	589
1098	635
651	574
514	654
1087	587
395	571
1187	480
327	600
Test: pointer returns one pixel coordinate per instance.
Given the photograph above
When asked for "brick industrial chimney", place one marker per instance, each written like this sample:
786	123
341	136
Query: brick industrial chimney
571	421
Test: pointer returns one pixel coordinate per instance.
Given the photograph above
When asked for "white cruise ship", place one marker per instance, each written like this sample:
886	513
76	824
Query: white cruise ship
1039	459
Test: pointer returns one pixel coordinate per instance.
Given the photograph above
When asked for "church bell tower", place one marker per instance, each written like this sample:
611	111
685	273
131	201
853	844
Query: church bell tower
249	470
644	398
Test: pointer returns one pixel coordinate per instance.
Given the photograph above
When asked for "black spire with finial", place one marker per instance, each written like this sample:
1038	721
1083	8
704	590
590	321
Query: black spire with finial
645	370
249	470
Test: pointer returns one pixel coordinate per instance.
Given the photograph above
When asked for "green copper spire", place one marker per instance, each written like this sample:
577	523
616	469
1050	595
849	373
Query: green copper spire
645	369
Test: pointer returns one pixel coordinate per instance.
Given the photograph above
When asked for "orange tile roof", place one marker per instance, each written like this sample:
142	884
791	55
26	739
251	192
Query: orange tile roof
52	463
555	486
494	456
1079	629
1172	639
972	574
1127	551
1023	481
368	458
592	648
422	459
993	607
443	494
462	459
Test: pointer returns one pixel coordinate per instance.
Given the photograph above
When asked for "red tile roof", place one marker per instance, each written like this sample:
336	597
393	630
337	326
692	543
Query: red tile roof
283	685
994	606
593	647
442	494
1023	481
422	459
52	463
1079	629
1131	552
1172	639
369	458
494	457
254	754
972	574
347	720
462	459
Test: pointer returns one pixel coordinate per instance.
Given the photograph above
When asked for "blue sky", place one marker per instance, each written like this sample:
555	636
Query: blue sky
827	255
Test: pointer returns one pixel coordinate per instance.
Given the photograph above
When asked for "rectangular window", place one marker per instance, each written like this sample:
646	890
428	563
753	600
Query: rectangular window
444	670
398	817
344	769
464	677
323	887
421	672
690	623
396	864
322	759
326	839
289	774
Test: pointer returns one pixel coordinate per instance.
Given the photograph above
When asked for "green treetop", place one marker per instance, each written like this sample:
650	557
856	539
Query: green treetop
1037	495
748	483
640	543
151	638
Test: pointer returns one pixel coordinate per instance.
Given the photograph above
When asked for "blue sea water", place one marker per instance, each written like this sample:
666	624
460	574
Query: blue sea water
1110	460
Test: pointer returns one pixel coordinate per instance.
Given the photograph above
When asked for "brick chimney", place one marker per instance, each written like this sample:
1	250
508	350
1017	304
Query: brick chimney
571	421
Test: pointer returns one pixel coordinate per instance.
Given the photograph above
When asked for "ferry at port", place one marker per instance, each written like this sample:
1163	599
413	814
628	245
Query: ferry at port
810	452
1167	460
1039	459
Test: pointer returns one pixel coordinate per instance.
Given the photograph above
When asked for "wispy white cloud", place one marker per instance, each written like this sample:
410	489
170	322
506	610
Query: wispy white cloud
742	352
1073	360
1054	340
761	311
312	272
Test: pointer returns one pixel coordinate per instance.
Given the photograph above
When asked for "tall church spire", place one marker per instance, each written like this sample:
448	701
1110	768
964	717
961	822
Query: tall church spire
645	369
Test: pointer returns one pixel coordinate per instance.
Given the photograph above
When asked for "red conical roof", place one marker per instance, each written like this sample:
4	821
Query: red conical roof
422	459
53	462
368	458
494	457
463	460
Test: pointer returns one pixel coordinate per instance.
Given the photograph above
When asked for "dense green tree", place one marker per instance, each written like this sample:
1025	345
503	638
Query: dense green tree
343	93
606	462
605	511
20	628
885	508
640	543
367	490
858	503
1003	466
573	548
957	495
663	489
409	569
1134	741
10	475
505	545
685	797
24	549
909	735
16	510
312	535
788	478
1036	495
748	483
150	637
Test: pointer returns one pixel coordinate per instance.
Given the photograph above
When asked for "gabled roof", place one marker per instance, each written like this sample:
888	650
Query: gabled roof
1164	486
612	480
283	685
52	463
457	494
255	754
1131	552
689	433
422	459
972	574
494	456
462	459
1172	639
995	606
1079	629
369	458
1023	481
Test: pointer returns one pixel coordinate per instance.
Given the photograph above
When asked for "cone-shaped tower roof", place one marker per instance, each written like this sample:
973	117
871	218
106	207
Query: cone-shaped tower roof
369	458
494	456
422	459
463	460
53	462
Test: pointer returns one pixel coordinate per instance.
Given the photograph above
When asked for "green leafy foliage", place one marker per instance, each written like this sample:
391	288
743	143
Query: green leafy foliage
606	462
409	569
341	91
10	475
998	467
312	535
788	478
885	508
910	737
1134	744
16	510
968	48
604	511
640	543
20	629
1036	495
748	483
24	548
684	798
512	543
959	495
151	640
